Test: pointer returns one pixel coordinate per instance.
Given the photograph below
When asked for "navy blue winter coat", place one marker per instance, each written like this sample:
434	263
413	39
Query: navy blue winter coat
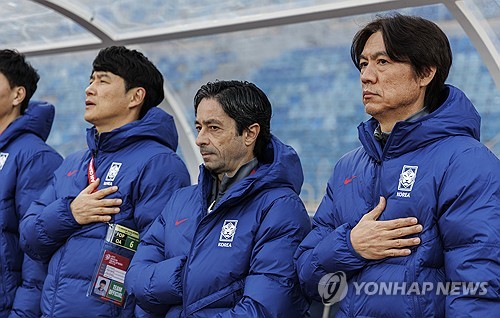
150	172
236	261
26	167
434	169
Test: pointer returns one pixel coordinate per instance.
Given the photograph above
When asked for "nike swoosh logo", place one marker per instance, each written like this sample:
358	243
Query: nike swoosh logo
349	180
72	172
180	221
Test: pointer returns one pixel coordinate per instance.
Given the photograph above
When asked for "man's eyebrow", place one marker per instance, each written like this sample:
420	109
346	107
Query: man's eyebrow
374	55
99	75
208	122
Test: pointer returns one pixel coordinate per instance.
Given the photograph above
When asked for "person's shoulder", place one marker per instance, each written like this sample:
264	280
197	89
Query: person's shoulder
284	198
186	199
354	154
149	149
76	156
29	146
351	159
470	152
465	148
185	193
27	142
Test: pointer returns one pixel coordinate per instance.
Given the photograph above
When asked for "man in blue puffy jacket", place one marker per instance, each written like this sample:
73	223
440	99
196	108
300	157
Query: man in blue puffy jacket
224	247
410	221
27	164
86	224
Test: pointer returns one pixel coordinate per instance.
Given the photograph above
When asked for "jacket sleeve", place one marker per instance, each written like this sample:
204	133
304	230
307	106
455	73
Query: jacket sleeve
162	175
158	180
271	287
155	282
326	249
469	202
47	224
32	179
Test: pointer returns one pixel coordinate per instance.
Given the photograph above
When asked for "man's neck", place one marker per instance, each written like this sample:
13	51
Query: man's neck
223	183
382	136
386	126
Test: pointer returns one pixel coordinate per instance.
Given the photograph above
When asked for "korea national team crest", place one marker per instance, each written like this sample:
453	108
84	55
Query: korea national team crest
112	173
3	158
407	180
227	233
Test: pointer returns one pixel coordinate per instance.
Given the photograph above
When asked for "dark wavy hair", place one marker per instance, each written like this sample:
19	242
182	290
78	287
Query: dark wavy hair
413	40
245	103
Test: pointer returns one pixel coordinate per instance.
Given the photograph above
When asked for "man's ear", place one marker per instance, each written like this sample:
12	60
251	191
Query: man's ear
137	95
251	133
19	95
428	75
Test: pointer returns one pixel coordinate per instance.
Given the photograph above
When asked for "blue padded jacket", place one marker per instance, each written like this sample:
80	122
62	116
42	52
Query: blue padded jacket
236	261
149	172
434	169
26	167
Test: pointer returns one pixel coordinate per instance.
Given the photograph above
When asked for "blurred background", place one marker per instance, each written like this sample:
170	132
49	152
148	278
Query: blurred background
297	51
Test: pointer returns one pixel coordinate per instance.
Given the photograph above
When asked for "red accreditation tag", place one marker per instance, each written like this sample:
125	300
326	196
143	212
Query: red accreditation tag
110	277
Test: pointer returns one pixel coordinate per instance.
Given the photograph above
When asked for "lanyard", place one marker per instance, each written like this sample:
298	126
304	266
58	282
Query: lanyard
91	172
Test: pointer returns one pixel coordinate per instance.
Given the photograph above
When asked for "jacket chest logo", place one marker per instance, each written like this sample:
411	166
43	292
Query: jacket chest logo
406	180
3	158
112	173
227	233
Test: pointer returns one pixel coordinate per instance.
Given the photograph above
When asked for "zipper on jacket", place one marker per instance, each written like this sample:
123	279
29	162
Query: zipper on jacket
376	191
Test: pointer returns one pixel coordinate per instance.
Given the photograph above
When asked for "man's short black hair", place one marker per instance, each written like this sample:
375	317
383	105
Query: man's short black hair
135	69
245	103
19	72
414	40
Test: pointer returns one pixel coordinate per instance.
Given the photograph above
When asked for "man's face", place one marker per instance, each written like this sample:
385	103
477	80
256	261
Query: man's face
222	149
106	102
7	97
391	90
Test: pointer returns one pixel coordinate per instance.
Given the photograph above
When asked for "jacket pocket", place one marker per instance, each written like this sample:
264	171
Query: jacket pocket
226	297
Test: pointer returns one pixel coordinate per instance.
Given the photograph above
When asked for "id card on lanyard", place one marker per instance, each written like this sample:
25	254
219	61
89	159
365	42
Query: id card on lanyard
109	276
119	247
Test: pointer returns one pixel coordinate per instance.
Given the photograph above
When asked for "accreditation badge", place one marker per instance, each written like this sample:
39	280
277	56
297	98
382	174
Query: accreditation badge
109	276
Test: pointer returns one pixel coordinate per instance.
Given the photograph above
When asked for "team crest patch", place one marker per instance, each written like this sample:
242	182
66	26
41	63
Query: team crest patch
113	171
227	233
3	158
407	178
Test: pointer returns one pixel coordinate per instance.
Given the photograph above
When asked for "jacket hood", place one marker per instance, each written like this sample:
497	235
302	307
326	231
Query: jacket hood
37	119
279	167
455	117
156	124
